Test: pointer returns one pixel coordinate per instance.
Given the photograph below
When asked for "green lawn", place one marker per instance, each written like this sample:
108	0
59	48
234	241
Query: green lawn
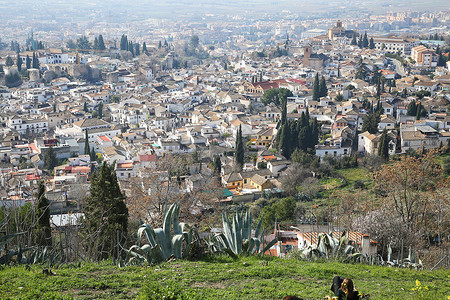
217	278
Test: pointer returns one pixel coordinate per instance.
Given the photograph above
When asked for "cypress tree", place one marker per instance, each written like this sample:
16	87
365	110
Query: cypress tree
43	229
412	109
365	41
144	47
354	42
85	107
101	43
106	215
323	91
239	152
86	143
96	43
371	44
137	51
28	62
316	88
93	155
217	164
284	111
35	61
50	160
419	111
383	147
19	63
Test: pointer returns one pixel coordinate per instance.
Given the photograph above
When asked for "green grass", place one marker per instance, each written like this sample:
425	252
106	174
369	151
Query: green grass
353	174
216	278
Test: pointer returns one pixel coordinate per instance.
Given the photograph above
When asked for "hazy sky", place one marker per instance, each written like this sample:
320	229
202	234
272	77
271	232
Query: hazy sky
38	9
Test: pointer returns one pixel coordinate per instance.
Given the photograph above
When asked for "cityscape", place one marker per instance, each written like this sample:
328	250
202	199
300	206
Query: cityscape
243	137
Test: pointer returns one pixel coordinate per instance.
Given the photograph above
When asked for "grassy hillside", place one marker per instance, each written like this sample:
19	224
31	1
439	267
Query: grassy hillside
217	278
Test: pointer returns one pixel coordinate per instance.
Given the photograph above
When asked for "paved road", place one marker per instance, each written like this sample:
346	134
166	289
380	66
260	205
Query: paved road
398	67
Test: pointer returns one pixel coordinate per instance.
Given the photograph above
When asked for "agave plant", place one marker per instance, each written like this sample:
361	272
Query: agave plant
237	239
329	247
174	239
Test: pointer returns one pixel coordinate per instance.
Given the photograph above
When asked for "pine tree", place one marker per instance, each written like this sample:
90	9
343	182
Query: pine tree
239	153
86	143
323	91
316	88
19	63
28	62
43	229
370	122
105	214
50	160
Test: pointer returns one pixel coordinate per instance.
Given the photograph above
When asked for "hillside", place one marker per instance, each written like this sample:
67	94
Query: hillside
217	278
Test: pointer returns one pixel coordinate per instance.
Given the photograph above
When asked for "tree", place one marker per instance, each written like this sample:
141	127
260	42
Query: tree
194	41
124	42
217	164
100	110
93	155
86	143
43	229
339	98
239	151
105	215
412	109
144	47
370	122
35	61
19	63
28	62
9	62
50	160
276	96
71	44
85	107
323	91
284	112
136	50
83	43
354	42
410	187
365	41
316	88
383	147
419	111
101	43
371	44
